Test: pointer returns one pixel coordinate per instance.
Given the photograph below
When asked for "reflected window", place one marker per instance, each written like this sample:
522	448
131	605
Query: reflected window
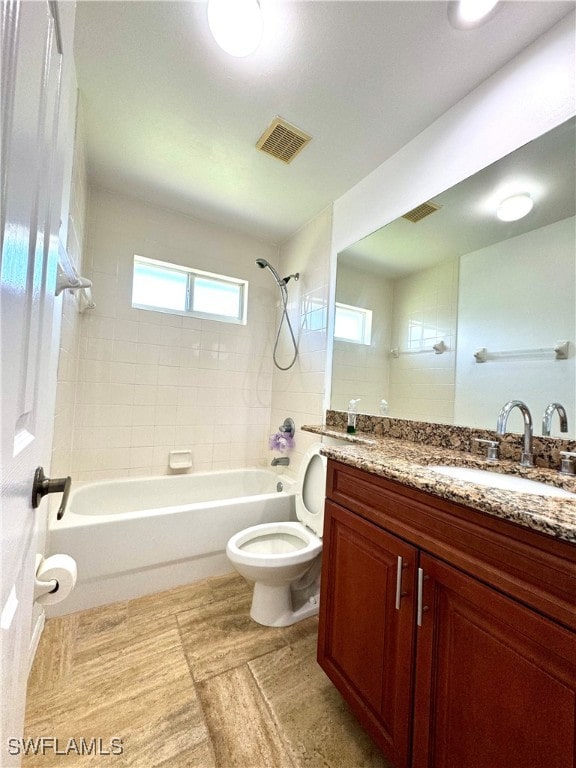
353	324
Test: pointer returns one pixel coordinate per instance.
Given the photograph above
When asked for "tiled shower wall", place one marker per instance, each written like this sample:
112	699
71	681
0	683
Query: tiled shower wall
149	382
299	392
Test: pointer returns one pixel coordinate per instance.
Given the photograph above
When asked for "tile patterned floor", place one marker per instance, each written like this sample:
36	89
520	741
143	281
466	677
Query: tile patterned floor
187	680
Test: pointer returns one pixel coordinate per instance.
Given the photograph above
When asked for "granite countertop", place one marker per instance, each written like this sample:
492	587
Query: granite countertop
407	462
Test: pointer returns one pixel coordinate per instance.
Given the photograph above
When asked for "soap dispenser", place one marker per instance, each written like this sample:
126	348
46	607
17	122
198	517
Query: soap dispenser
352	414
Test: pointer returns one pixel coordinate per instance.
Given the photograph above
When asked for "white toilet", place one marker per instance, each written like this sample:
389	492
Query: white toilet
283	559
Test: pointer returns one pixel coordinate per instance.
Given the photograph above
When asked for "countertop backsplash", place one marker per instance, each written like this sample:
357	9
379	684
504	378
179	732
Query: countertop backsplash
546	449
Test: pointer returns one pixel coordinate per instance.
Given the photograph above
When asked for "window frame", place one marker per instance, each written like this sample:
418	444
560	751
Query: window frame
366	315
191	274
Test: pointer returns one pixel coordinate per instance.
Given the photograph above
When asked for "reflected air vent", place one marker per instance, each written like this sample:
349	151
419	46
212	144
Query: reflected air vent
282	140
421	211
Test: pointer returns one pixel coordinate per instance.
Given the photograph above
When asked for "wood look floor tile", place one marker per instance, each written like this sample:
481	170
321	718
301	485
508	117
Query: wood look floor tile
301	630
221	636
155	728
243	733
54	657
317	725
143	696
101	628
128	671
136	663
150	610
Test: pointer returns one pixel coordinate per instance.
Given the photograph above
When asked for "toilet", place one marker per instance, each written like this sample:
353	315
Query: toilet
283	559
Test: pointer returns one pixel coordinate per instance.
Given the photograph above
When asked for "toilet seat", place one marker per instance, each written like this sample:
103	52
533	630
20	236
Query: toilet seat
311	490
288	543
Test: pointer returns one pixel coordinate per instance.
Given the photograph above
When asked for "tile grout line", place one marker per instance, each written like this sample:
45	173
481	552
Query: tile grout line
195	689
274	719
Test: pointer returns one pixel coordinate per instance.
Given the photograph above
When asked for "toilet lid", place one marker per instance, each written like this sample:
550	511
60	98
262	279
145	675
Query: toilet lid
311	493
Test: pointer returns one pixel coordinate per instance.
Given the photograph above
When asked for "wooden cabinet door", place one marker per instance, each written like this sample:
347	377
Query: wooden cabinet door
366	633
495	681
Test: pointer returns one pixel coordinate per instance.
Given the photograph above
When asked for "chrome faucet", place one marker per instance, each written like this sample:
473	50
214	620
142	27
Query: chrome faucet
283	461
547	418
527	457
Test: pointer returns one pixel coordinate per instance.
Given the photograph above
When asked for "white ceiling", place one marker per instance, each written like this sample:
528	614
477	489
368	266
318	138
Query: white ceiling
172	119
466	220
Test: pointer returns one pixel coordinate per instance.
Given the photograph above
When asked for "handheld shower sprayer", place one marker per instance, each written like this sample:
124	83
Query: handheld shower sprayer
282	283
262	263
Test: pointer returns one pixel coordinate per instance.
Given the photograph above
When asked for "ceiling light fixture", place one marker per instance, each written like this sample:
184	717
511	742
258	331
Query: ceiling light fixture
467	14
515	207
236	25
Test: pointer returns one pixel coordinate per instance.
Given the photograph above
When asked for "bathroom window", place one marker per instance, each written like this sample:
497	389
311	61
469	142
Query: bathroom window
353	324
164	287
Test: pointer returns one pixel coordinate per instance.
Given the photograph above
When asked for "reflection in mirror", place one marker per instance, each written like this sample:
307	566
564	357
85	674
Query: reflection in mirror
467	309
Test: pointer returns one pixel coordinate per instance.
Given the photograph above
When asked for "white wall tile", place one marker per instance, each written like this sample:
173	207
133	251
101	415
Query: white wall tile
148	382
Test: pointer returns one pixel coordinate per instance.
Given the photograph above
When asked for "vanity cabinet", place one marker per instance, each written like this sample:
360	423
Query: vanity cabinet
451	634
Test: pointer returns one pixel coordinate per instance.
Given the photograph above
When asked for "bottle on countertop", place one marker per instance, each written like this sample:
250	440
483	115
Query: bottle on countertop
352	414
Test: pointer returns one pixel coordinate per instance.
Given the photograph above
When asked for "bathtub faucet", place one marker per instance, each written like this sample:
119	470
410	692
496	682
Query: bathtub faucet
283	461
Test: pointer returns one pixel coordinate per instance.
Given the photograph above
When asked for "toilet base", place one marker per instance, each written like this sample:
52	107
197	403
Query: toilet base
273	606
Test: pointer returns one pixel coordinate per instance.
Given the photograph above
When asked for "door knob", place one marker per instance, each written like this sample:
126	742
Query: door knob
43	485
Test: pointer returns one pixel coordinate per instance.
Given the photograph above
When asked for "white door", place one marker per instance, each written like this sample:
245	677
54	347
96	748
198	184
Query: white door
30	211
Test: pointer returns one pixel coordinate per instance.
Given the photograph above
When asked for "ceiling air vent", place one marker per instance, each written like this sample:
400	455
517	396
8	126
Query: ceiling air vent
421	211
282	140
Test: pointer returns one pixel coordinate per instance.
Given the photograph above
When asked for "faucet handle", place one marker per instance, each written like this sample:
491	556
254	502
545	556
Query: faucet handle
567	463
492	447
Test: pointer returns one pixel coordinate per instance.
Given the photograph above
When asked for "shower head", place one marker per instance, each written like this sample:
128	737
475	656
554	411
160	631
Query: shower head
282	281
262	263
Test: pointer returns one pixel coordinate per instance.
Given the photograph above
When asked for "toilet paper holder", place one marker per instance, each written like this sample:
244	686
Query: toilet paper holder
43	587
54	579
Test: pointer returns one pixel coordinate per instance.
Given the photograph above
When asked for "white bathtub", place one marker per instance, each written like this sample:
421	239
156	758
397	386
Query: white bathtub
141	535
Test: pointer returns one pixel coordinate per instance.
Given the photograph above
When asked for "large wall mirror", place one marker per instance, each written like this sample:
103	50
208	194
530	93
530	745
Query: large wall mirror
448	313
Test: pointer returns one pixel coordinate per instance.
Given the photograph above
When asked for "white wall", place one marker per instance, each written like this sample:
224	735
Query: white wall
425	311
529	96
530	305
69	339
149	382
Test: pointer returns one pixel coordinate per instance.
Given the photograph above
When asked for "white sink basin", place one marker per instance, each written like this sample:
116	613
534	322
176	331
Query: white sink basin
505	482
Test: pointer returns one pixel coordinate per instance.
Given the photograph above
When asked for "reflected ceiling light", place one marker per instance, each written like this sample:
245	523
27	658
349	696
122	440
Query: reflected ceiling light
515	207
236	25
466	14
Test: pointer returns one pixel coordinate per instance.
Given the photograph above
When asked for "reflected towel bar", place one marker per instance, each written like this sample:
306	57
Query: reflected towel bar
560	352
437	348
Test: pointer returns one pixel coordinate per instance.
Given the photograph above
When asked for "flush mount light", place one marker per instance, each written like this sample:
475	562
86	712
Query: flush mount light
236	25
466	14
515	207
